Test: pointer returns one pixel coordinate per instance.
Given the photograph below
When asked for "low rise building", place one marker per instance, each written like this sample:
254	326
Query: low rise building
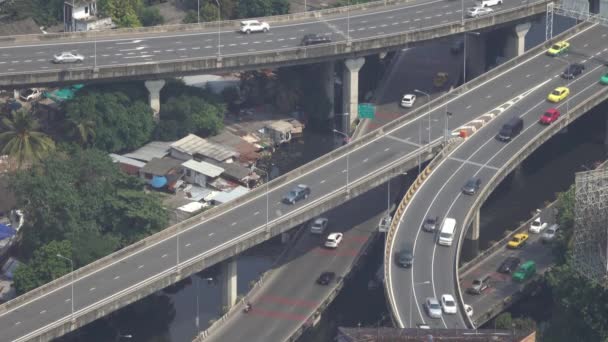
151	150
161	173
200	172
127	165
197	148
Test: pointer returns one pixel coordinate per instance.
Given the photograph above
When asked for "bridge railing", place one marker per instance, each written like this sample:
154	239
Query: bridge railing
524	152
224	24
398	216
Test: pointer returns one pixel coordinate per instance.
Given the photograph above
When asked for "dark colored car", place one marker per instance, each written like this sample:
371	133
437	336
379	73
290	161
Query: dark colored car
511	129
314	39
509	265
405	258
573	70
298	193
471	186
325	278
430	224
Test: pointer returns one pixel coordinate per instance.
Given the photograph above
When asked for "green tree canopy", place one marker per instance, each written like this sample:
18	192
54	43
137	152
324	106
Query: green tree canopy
21	139
44	12
44	266
150	16
123	12
261	8
115	122
81	196
186	114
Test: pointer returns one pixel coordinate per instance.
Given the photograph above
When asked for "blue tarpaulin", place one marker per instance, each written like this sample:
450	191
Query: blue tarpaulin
158	181
6	231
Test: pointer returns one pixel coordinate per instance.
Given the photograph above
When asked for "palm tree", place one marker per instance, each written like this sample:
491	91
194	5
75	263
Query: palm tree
82	130
21	139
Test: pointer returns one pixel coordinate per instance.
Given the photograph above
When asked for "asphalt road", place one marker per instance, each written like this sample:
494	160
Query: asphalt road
290	295
214	233
172	46
481	155
501	285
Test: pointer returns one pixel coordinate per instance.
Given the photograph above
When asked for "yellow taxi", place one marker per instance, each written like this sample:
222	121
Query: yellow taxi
558	48
558	94
518	240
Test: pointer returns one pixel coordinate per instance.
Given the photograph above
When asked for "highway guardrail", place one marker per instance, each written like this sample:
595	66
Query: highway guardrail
522	154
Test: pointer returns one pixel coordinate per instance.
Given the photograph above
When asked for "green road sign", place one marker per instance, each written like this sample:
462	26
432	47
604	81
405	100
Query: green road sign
366	111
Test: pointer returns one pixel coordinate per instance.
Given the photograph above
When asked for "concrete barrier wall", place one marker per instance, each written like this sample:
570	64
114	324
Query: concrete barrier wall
528	149
275	58
224	24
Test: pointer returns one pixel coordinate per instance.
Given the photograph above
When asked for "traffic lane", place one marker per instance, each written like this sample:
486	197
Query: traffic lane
410	233
443	272
283	301
501	285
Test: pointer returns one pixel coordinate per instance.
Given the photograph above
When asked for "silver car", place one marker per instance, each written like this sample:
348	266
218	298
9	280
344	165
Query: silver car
68	57
474	12
433	309
550	233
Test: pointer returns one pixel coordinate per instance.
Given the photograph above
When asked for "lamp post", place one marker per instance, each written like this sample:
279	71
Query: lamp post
348	21
447	124
72	282
428	103
464	58
219	28
347	138
198	12
415	284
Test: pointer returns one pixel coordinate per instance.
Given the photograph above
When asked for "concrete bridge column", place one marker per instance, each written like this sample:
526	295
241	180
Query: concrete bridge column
154	87
516	43
16	94
229	284
329	79
350	90
475	55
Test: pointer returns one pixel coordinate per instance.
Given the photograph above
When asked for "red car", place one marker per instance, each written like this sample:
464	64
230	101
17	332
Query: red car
550	115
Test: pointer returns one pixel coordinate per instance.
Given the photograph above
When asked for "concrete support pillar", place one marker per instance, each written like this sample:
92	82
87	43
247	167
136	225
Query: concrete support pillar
350	90
154	87
473	233
285	237
16	94
229	284
605	133
475	46
329	80
516	44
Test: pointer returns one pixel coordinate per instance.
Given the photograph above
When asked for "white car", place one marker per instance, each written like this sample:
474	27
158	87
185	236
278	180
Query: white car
319	225
474	12
487	3
537	226
333	240
408	100
68	57
469	310
248	26
30	94
448	304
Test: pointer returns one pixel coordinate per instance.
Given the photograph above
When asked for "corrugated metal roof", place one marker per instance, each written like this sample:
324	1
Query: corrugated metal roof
126	160
204	168
160	167
193	144
151	150
224	197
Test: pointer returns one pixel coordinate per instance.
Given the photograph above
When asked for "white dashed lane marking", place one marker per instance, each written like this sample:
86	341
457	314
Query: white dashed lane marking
92	289
164	255
42	312
117	277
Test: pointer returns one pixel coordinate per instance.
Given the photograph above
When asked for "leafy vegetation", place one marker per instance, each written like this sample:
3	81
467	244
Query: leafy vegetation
21	139
44	12
124	13
109	121
81	197
150	16
44	266
186	114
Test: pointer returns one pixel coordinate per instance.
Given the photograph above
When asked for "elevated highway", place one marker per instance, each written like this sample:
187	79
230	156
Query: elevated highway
521	92
211	47
222	232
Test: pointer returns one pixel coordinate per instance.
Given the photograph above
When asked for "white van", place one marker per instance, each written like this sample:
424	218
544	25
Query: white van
487	3
446	235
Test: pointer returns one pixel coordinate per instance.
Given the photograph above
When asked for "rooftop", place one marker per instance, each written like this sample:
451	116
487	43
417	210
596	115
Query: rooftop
151	150
126	160
223	197
246	150
160	167
204	168
233	170
193	144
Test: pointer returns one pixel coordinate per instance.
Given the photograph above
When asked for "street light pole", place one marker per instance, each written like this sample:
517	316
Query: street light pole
428	103
348	21
72	283
219	28
411	292
198	329
447	124
198	12
267	195
568	66
347	139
